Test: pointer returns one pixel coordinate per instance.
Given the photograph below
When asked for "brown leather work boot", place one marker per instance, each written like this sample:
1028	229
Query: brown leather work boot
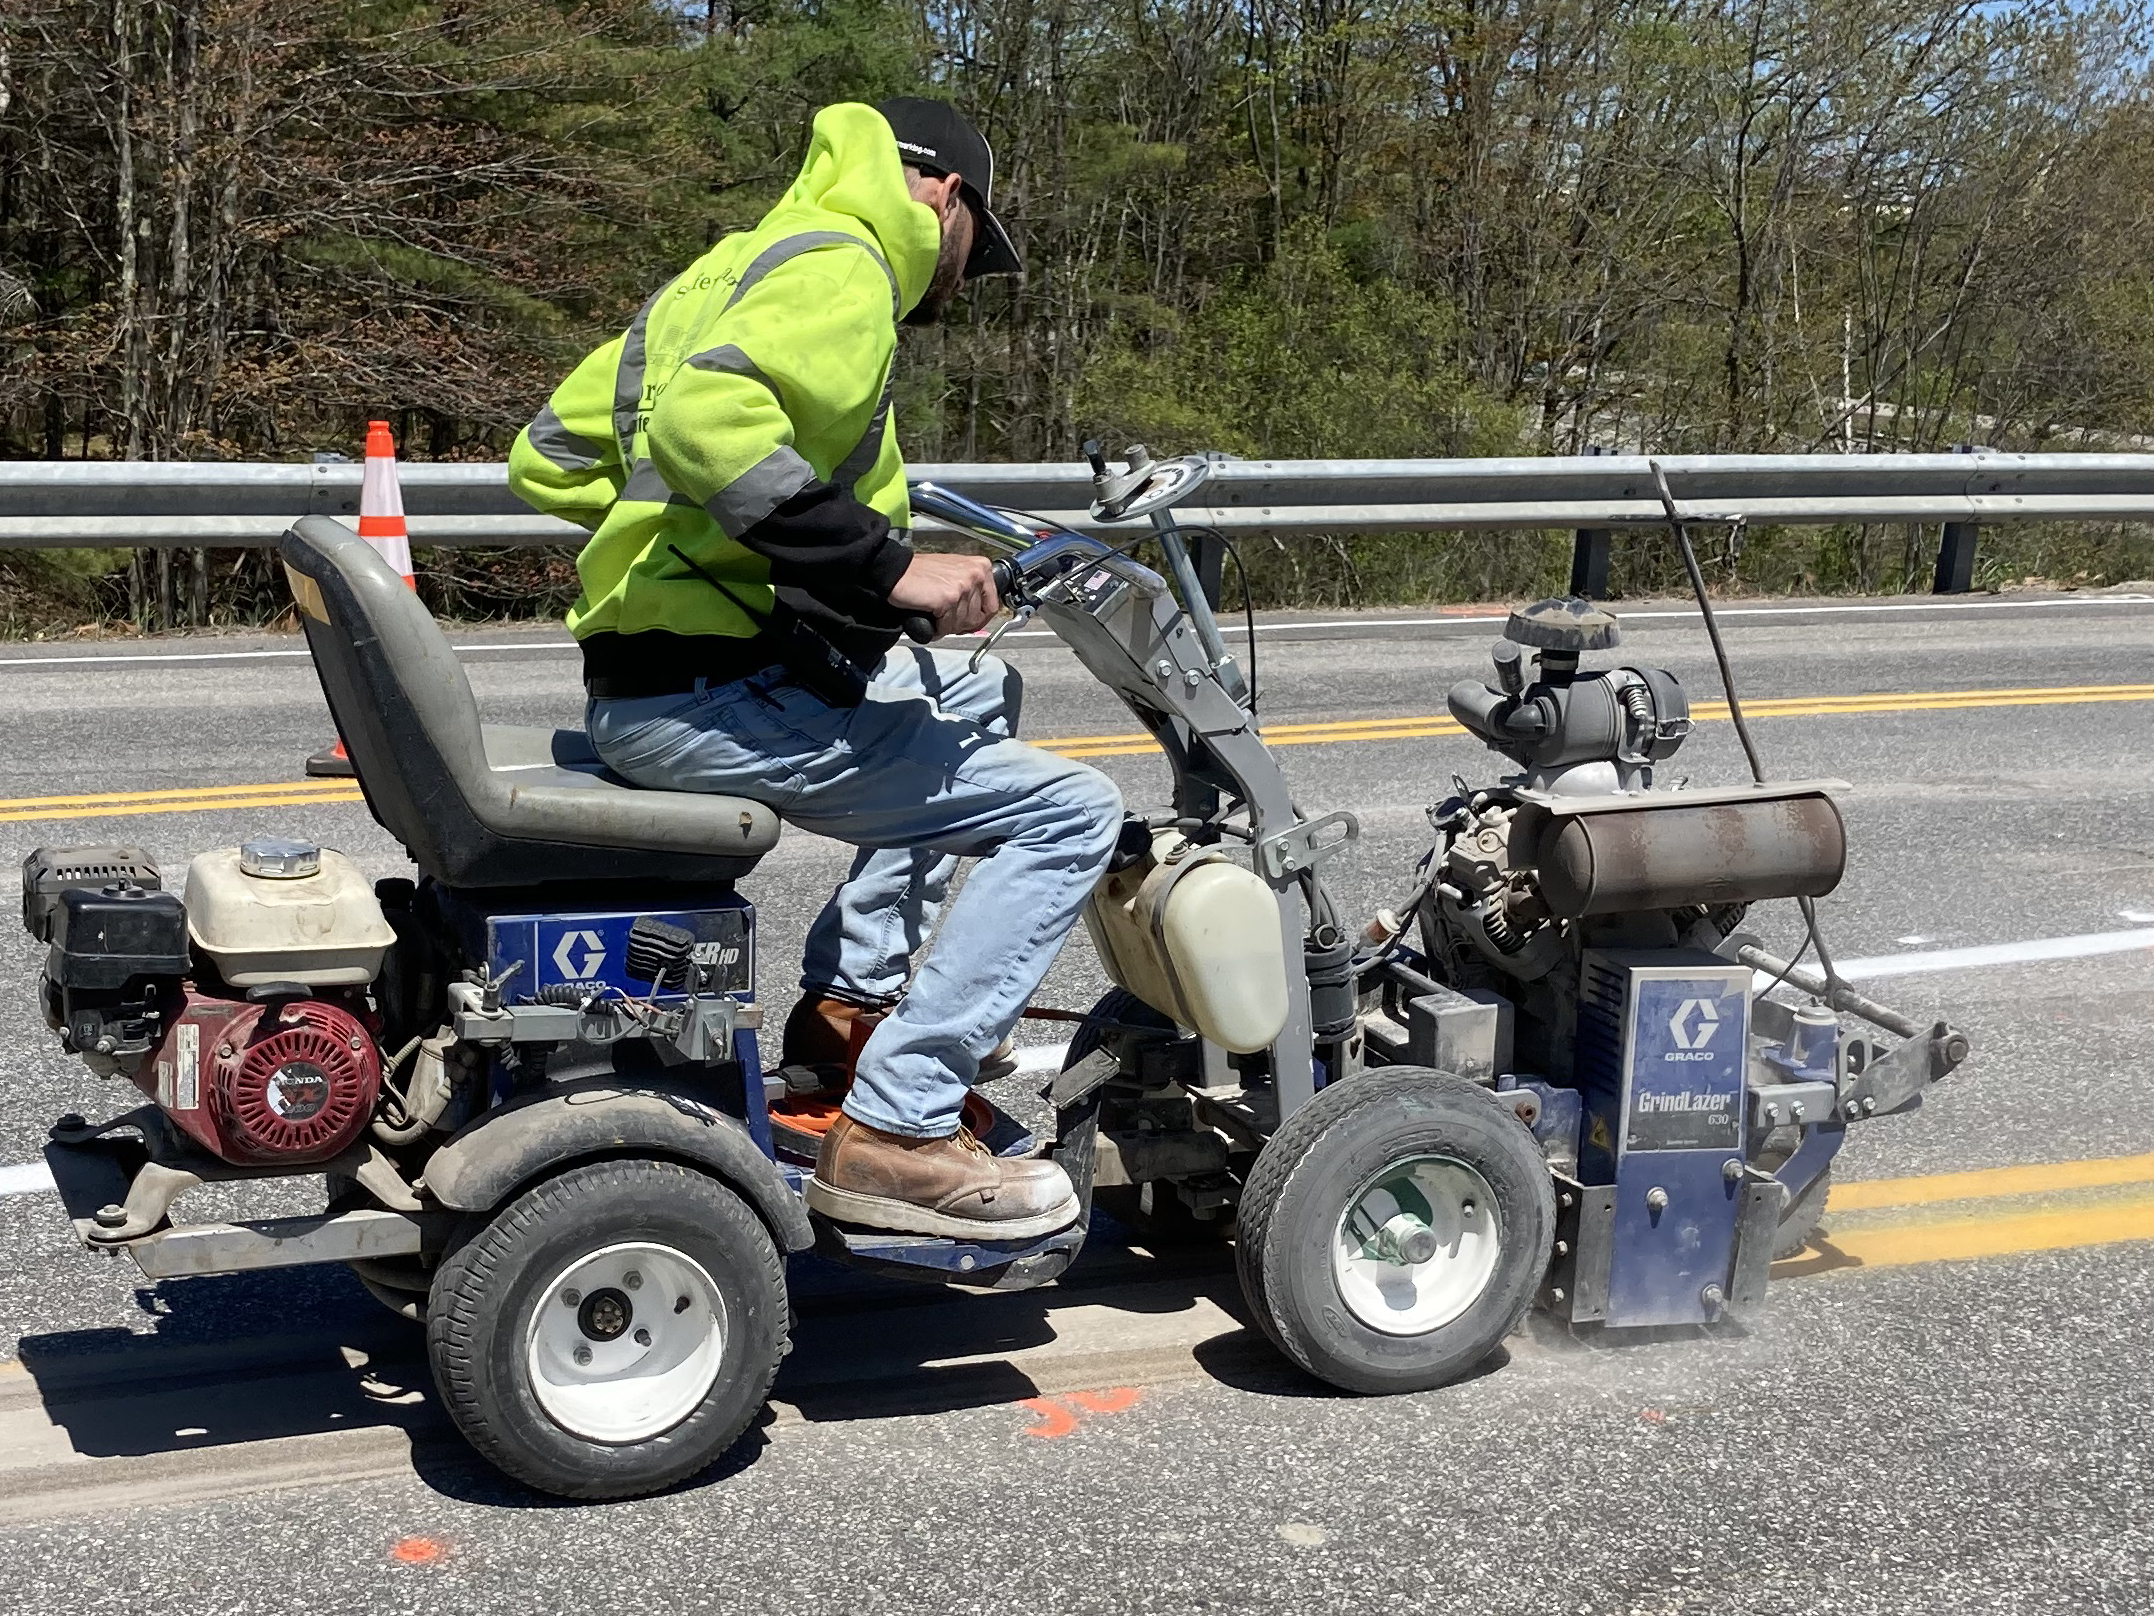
823	1031
953	1186
828	1032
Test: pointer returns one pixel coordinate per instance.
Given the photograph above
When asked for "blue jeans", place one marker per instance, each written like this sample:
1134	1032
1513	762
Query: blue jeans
924	772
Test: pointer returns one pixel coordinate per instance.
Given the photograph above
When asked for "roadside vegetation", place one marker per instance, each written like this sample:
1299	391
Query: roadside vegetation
240	228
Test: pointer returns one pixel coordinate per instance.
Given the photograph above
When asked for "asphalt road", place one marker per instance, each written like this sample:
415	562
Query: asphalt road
1950	1416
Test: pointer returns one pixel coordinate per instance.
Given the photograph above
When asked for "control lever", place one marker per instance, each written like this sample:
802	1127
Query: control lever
1017	619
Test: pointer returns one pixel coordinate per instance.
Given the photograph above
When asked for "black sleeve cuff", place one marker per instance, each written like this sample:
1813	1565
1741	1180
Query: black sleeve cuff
827	544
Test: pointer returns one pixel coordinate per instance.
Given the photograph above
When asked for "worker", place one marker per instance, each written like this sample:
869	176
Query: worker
734	455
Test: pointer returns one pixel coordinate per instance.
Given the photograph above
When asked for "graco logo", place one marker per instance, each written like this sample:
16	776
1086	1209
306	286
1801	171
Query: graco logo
1694	1023
582	966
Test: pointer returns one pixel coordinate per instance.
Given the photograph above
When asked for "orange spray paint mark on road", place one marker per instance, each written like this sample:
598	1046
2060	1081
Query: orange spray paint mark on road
1055	1420
417	1550
1058	1417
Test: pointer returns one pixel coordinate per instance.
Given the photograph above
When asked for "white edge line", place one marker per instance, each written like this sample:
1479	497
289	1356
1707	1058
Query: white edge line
557	647
25	1178
560	647
28	1178
2032	952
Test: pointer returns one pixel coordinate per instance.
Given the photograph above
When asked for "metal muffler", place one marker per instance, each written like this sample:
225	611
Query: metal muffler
1668	849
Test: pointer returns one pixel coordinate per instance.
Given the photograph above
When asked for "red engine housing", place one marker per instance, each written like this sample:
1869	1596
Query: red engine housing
266	1085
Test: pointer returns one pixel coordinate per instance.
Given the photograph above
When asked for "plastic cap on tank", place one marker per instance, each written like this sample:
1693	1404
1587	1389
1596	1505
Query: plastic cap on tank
1570	623
279	858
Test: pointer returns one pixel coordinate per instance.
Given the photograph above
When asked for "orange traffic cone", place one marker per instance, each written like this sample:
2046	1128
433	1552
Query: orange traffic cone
381	524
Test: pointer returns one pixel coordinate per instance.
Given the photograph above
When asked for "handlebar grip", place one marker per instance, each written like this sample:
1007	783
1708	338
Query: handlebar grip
919	627
1005	582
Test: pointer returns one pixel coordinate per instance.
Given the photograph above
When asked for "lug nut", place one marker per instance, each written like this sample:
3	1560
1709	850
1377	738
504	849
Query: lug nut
643	1338
632	1280
571	1298
582	1356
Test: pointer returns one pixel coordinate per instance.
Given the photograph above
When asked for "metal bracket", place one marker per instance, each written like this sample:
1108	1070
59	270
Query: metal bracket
1782	1104
1303	846
695	1029
1892	1080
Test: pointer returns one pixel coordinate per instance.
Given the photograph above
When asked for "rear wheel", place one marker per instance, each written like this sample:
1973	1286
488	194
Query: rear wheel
1394	1230
611	1331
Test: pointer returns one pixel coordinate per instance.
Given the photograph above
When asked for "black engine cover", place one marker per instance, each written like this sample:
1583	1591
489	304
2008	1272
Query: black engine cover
103	938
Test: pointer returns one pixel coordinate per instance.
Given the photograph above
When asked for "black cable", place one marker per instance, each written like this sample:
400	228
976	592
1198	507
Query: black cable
1681	530
1248	612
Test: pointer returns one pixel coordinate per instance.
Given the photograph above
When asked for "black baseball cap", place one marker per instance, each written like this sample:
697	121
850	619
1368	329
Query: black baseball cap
936	138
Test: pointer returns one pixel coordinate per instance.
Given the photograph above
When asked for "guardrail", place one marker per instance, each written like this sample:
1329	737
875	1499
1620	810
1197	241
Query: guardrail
52	504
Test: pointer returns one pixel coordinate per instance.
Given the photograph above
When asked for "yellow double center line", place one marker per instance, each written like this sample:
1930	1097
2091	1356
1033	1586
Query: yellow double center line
1994	1212
1405	729
289	793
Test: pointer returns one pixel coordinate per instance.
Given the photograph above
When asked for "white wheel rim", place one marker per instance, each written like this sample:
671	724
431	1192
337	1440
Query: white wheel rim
1416	1246
626	1342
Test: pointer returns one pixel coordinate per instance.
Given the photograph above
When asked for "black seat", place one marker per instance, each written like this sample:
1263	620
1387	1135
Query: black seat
485	805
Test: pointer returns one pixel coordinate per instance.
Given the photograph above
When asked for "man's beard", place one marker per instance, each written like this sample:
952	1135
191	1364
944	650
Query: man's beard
949	279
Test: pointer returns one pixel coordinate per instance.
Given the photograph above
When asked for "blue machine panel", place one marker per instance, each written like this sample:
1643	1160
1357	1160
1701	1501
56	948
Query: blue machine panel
1663	1056
589	949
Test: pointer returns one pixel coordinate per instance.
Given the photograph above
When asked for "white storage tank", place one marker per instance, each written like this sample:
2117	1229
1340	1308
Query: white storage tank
285	911
1196	937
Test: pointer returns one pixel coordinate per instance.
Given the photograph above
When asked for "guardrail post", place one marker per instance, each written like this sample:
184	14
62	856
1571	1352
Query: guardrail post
1956	550
1589	552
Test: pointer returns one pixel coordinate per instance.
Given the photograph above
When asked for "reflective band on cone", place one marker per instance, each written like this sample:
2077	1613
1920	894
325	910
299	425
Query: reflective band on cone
381	501
381	524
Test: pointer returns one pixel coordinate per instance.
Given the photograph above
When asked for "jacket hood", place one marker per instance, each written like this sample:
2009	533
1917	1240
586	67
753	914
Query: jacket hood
852	170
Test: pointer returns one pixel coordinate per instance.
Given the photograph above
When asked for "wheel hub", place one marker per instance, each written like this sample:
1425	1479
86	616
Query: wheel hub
606	1369
1417	1245
604	1314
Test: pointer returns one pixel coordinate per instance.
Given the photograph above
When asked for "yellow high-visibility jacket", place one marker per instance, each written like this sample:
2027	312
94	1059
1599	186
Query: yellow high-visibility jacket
744	419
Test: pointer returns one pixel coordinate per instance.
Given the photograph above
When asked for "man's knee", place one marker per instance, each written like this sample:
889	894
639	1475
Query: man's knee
1095	810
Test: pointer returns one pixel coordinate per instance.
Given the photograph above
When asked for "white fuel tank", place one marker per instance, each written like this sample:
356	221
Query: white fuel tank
281	911
1196	937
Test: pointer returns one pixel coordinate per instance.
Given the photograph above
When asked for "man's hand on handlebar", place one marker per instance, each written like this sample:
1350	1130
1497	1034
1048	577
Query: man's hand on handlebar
957	591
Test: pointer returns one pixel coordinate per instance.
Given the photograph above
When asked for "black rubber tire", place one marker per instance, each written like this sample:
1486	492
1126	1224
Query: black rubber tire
1803	1220
1298	1190
484	1294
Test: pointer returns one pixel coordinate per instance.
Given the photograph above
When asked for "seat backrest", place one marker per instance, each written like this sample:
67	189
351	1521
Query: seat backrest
395	688
411	726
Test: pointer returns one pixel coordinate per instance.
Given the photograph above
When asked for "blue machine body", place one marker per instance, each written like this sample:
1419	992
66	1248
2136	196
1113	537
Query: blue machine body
589	949
1662	1064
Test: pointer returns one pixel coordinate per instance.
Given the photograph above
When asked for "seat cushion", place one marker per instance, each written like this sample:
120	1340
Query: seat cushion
559	791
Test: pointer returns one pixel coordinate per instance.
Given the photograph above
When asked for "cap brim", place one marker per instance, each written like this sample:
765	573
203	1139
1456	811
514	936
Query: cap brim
993	253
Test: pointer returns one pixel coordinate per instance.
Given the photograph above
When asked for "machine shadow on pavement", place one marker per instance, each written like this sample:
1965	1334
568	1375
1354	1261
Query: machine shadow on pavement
212	1375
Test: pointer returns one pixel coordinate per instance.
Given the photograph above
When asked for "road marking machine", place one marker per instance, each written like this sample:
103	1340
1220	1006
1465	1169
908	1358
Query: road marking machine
530	1077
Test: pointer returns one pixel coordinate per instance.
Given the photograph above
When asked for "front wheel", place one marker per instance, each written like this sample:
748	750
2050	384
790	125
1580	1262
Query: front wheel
610	1331
1394	1231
